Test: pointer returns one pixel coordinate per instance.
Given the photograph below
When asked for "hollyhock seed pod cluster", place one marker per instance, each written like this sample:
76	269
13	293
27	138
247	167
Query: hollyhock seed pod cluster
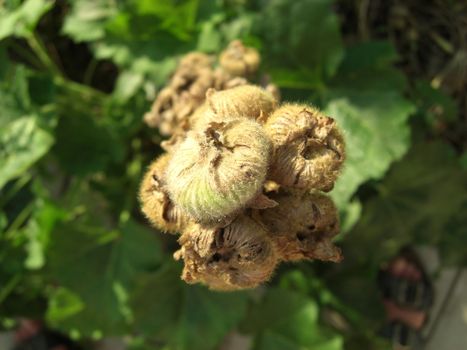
243	177
217	169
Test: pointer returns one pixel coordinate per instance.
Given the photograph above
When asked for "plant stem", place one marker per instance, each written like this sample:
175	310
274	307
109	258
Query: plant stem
60	79
37	46
19	184
19	220
9	287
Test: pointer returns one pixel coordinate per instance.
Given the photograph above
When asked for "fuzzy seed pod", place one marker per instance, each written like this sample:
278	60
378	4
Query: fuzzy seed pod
308	148
237	256
239	60
273	89
216	170
155	202
247	101
302	226
201	117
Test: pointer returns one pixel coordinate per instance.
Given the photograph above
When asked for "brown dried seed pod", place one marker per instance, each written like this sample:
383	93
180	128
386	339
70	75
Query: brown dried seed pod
161	111
247	101
216	170
308	148
302	226
155	202
194	81
239	60
196	60
224	81
186	92
237	256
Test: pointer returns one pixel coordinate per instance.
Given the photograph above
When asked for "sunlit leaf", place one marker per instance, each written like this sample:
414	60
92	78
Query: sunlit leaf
86	20
373	115
100	266
22	143
20	19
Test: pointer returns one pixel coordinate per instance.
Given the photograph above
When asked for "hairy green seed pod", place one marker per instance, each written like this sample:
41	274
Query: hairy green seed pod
308	148
216	170
302	226
246	101
238	256
239	60
155	202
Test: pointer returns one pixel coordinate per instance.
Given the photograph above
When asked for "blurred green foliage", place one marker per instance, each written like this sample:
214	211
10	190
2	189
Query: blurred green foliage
74	249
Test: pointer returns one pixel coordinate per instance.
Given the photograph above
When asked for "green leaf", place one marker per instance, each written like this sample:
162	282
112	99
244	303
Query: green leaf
376	134
463	160
212	314
436	106
100	267
86	20
291	319
63	304
20	19
373	117
370	66
176	17
210	38
422	200
3	221
186	317
25	130
304	34
454	237
15	101
127	84
302	78
22	143
274	341
4	63
83	146
38	230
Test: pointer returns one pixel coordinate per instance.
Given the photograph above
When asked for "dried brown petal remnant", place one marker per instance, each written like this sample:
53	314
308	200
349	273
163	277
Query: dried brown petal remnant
215	171
155	202
247	101
302	226
308	148
237	256
239	60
